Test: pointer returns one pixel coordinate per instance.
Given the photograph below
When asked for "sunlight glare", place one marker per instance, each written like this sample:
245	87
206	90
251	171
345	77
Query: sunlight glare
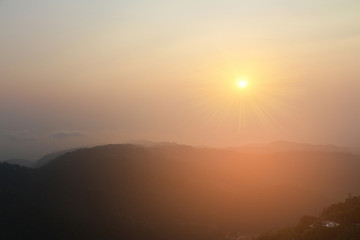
242	83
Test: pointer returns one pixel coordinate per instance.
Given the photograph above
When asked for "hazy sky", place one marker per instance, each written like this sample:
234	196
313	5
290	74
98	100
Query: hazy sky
79	72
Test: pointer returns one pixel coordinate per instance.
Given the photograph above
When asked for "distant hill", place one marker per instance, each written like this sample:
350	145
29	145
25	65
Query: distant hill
49	157
284	146
20	162
38	163
273	147
169	192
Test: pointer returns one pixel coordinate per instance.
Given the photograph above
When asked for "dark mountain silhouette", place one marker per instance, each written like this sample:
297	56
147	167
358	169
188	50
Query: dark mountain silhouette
38	163
49	157
20	162
168	192
340	221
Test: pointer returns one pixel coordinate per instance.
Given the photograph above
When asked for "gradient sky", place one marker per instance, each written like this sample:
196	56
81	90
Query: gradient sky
78	72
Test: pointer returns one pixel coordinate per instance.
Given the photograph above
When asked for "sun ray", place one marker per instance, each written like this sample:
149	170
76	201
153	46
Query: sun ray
243	105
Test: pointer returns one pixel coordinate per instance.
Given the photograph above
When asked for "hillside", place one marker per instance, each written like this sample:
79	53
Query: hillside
340	221
169	192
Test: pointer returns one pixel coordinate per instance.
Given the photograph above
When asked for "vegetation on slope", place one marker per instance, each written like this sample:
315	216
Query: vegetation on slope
340	221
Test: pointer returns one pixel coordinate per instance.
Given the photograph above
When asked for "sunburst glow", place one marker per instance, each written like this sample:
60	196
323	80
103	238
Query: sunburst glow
242	83
224	106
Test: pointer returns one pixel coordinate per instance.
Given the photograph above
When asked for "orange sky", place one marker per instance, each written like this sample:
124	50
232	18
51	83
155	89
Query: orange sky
76	73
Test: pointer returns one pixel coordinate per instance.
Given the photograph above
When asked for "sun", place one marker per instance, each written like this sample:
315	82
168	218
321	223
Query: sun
242	83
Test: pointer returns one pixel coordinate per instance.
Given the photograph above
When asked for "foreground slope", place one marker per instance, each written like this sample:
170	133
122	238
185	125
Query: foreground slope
340	221
169	192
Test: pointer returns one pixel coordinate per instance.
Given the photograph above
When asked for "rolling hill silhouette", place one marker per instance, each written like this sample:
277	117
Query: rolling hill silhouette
336	222
169	192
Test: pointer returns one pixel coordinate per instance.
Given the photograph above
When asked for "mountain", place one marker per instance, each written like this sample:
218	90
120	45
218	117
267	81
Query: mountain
20	162
339	221
38	163
169	192
284	146
49	157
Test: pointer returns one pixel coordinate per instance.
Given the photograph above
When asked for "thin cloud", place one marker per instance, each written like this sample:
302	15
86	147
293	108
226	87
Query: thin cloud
67	134
21	136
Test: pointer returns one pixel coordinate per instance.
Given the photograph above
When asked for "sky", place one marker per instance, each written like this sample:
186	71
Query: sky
82	73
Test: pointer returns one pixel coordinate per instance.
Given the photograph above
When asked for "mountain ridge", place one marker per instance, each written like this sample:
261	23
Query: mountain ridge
169	187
